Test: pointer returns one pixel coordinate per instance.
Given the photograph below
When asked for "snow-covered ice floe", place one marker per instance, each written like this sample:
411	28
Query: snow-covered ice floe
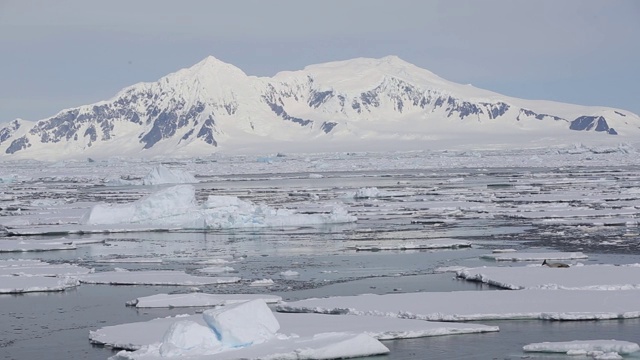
21	276
135	260
133	336
248	330
480	305
518	256
587	277
599	349
25	284
158	277
423	245
198	299
42	269
176	207
25	246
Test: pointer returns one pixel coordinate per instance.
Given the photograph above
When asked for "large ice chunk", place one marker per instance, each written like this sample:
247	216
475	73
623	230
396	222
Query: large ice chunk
243	324
176	207
189	338
171	205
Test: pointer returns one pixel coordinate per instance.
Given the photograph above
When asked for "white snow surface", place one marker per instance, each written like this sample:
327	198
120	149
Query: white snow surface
480	305
584	346
175	207
199	299
153	277
586	277
526	256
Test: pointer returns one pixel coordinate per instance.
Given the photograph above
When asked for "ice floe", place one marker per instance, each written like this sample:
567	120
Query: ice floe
43	269
480	305
133	336
216	269
20	276
24	284
26	246
423	245
198	299
241	331
132	260
523	256
262	282
157	277
176	207
599	349
587	277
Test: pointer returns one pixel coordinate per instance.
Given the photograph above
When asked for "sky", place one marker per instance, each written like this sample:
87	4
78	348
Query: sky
65	53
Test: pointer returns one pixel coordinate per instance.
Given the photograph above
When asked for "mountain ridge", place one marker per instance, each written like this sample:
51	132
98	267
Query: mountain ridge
213	106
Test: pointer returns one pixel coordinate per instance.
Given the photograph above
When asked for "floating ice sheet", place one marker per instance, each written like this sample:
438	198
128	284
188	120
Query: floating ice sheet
481	305
133	336
24	284
198	299
583	347
25	246
587	277
43	269
517	256
160	277
425	245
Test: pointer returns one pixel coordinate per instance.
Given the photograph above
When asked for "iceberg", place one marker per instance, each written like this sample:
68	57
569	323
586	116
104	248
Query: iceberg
176	207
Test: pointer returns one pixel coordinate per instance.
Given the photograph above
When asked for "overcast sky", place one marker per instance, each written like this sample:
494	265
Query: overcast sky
66	53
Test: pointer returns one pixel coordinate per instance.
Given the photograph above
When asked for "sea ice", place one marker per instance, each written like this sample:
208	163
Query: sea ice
518	256
262	282
216	269
587	277
24	284
44	269
198	299
584	347
480	305
159	277
25	246
423	245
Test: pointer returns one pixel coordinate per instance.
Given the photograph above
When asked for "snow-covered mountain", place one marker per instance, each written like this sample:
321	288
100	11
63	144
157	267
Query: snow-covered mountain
214	106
